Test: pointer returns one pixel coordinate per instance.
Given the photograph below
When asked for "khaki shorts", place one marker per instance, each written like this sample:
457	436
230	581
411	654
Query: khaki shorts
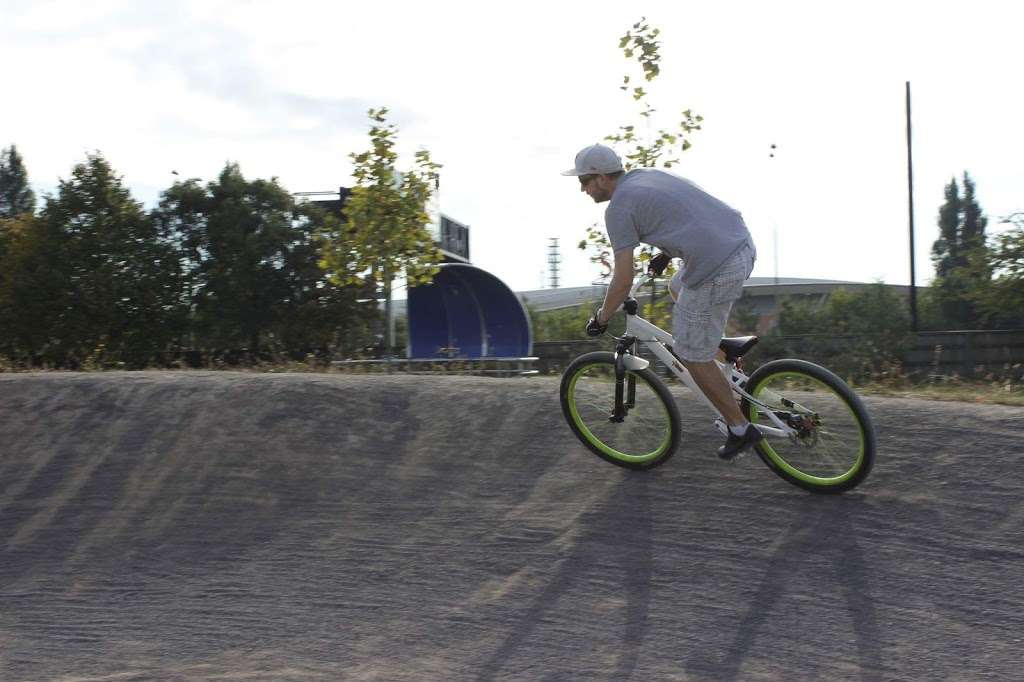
700	314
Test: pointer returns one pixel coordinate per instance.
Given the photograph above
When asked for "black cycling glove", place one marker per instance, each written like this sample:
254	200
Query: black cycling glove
594	328
658	263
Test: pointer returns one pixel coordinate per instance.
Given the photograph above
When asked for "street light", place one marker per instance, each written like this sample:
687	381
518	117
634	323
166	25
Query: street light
775	218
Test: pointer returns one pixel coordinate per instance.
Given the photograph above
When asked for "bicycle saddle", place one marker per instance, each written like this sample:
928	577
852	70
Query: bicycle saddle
737	347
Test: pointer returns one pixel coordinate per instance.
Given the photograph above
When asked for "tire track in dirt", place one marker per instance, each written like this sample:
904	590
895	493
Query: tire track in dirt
210	525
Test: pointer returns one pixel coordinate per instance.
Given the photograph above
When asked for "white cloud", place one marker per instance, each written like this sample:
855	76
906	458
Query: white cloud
503	96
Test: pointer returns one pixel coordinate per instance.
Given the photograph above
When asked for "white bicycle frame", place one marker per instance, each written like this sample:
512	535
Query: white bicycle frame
656	339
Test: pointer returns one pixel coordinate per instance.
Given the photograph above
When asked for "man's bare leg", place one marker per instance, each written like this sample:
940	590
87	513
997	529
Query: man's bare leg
711	380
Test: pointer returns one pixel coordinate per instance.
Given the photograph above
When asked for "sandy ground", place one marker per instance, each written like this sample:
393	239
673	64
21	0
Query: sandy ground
302	527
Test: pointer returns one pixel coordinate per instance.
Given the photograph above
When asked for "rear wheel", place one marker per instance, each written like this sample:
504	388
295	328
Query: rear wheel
649	432
833	449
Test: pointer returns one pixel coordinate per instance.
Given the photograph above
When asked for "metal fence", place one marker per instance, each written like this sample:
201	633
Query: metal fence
942	353
967	353
506	367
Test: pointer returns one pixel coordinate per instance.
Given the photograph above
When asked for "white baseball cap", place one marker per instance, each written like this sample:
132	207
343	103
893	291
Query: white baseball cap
596	159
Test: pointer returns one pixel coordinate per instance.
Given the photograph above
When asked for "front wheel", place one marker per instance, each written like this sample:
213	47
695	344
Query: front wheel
833	447
645	437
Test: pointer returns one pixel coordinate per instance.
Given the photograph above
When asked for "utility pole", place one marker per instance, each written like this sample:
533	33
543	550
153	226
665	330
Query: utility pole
775	217
554	258
910	194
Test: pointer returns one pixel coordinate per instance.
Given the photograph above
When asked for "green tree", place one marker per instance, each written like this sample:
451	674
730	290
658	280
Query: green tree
744	317
322	314
181	218
856	332
248	232
962	270
1002	304
32	286
230	239
802	315
873	309
249	269
565	324
16	195
387	236
106	280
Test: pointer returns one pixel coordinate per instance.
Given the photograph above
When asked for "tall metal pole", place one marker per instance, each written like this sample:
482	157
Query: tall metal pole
775	217
389	321
910	193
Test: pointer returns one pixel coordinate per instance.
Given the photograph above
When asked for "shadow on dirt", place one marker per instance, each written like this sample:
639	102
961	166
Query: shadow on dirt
832	539
617	532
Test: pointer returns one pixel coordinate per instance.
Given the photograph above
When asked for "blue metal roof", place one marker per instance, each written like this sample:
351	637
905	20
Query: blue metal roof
467	312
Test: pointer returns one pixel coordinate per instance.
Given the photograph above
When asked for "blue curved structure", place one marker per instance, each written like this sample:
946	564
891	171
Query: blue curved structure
467	313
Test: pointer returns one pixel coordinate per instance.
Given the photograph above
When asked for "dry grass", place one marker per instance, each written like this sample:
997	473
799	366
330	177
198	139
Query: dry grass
989	391
952	389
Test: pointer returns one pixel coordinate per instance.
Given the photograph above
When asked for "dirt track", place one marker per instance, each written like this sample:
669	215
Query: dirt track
219	526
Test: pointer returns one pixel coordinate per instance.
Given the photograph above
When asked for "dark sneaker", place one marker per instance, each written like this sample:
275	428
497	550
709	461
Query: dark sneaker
734	445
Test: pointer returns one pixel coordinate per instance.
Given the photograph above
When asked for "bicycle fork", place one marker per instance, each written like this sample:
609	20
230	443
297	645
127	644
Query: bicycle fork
625	384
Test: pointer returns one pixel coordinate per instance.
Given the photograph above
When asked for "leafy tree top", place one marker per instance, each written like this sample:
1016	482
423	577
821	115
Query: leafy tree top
95	206
648	148
961	228
16	196
963	269
387	235
645	148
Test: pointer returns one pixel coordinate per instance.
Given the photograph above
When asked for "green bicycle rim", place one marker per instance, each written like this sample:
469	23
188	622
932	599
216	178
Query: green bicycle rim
598	443
821	481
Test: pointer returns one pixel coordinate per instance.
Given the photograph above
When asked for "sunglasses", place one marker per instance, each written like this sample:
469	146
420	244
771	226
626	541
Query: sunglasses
586	180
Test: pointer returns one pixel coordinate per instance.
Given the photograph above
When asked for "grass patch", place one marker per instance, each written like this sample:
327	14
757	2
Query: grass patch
959	390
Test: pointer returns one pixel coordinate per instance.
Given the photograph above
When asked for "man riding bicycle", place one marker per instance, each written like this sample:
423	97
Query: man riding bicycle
655	207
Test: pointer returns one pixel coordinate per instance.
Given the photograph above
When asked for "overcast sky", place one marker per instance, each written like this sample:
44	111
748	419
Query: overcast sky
504	94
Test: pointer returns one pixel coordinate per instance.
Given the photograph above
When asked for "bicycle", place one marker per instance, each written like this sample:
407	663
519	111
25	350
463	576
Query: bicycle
818	434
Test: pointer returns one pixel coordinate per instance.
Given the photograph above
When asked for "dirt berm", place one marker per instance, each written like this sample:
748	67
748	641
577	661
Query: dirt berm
298	527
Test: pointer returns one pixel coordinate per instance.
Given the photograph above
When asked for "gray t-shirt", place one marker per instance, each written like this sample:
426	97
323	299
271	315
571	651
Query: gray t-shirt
675	215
